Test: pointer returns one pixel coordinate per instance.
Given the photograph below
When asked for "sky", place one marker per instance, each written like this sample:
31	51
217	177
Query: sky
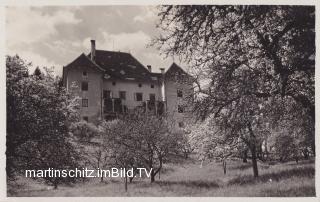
56	35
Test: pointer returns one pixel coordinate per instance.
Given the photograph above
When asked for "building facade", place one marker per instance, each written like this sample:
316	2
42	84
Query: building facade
110	83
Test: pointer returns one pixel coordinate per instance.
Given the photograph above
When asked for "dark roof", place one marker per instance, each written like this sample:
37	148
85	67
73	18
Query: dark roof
83	60
175	72
173	69
121	65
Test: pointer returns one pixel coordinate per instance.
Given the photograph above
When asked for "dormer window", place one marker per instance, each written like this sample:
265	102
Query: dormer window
113	83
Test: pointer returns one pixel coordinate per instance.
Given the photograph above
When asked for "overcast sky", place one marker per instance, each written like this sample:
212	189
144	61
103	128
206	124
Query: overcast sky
55	36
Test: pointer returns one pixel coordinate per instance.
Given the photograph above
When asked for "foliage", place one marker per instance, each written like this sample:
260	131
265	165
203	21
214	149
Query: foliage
247	61
140	140
38	115
84	131
37	73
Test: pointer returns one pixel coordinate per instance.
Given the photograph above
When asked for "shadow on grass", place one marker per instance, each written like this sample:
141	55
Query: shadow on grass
307	191
302	162
192	184
166	170
243	166
275	176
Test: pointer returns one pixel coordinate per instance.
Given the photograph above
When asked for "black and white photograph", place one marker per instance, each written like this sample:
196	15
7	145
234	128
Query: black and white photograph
166	100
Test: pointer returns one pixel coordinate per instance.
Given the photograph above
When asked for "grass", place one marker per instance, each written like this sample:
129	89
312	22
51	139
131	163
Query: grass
188	179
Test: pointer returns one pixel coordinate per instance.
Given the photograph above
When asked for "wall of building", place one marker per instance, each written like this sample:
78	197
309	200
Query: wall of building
94	79
173	101
132	87
97	84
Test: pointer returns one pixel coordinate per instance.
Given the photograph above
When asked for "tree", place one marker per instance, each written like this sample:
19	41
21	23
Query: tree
247	56
37	73
84	131
289	139
38	116
141	140
89	142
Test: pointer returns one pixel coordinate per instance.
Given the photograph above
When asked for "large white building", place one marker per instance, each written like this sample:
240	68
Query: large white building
111	83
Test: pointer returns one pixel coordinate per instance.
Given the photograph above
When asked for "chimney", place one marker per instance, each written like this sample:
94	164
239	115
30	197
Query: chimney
149	68
93	50
162	70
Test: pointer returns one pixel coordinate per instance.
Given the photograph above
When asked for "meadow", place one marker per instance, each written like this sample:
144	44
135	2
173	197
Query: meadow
188	178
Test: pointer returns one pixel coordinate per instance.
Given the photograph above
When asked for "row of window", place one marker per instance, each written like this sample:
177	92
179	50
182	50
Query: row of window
85	85
85	103
107	94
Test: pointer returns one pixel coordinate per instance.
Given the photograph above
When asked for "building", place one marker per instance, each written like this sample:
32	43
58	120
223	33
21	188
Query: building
112	83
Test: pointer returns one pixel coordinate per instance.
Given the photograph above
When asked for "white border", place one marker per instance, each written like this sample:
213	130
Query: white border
5	3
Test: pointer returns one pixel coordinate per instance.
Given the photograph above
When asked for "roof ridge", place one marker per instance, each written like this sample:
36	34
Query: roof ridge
93	62
139	62
173	63
111	51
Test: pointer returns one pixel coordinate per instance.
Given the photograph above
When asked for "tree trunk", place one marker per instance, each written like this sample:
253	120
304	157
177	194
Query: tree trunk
266	149
154	173
126	183
152	176
245	156
131	178
201	163
224	163
55	183
253	148
254	161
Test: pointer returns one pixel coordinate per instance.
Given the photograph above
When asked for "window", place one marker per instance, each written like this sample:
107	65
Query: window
152	97
85	118
85	103
138	96
113	83
140	85
179	93
181	124
84	86
122	95
107	94
180	109
152	86
85	74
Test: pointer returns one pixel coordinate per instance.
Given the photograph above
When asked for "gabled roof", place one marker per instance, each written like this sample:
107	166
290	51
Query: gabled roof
175	71
121	65
83	60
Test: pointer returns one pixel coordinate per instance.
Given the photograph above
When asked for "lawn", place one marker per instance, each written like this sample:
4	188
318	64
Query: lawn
188	179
